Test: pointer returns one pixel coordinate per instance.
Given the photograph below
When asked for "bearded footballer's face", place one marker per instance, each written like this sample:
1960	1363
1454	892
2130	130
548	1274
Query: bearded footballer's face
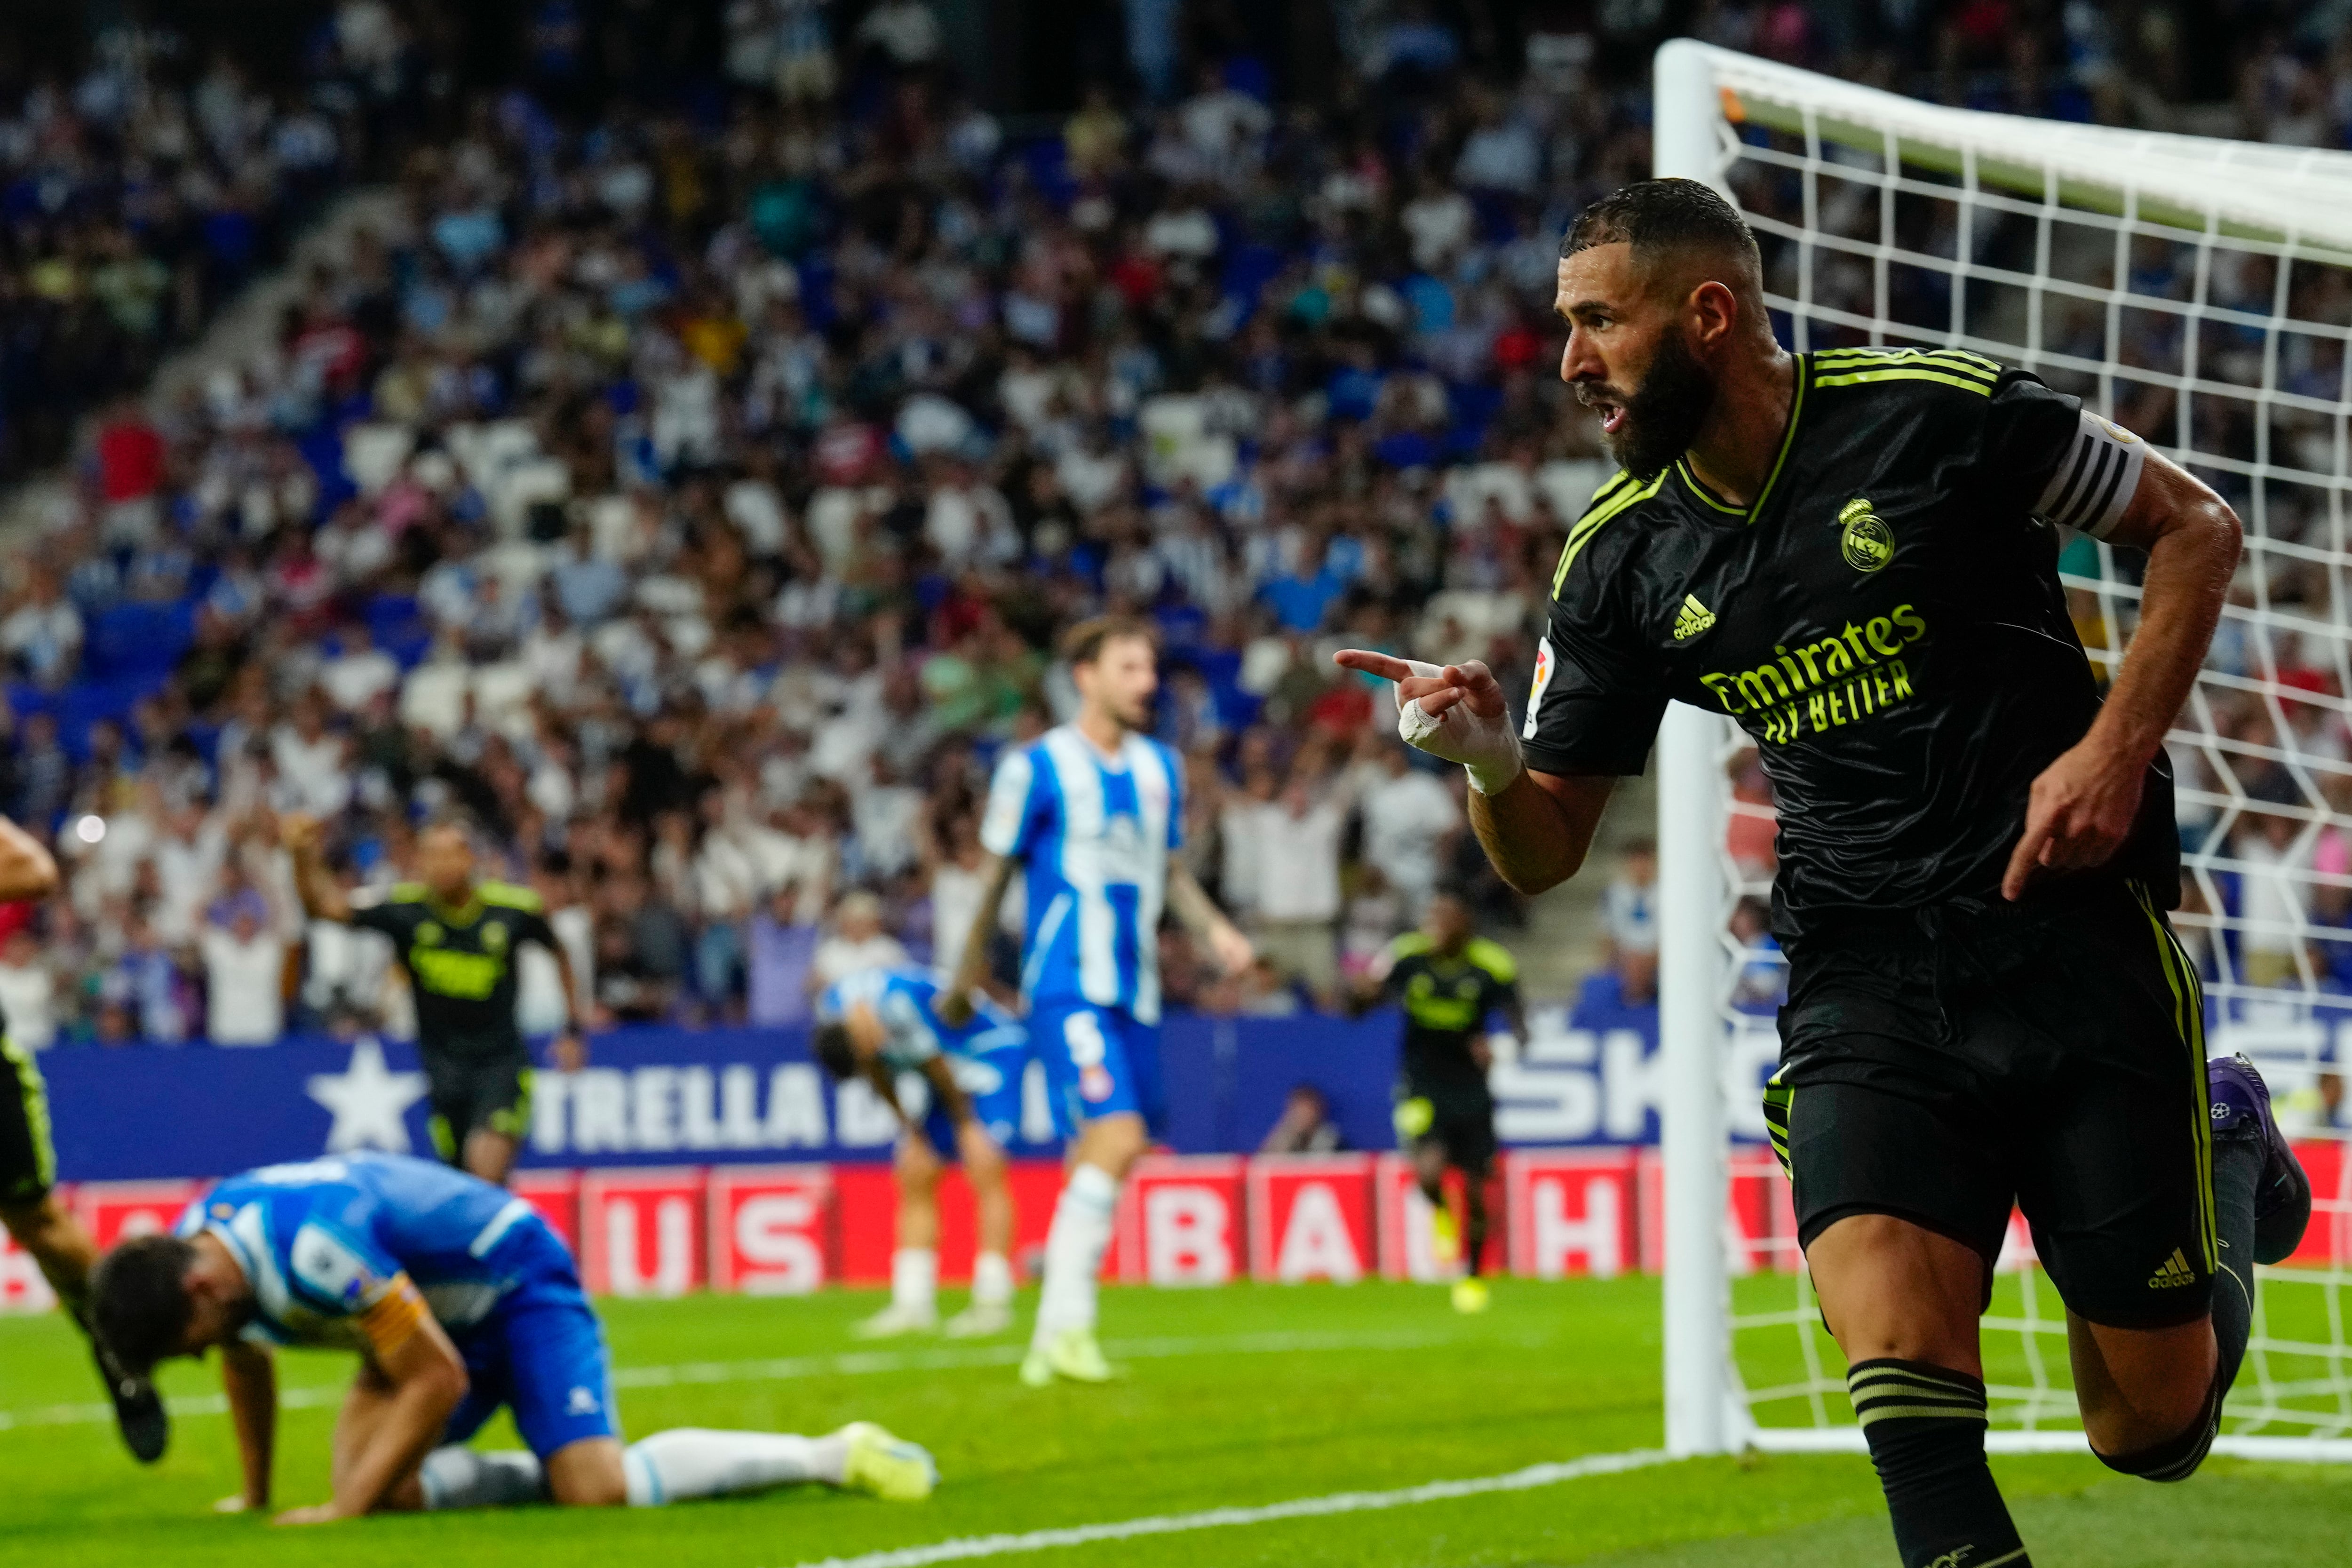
1120	681
1630	357
444	863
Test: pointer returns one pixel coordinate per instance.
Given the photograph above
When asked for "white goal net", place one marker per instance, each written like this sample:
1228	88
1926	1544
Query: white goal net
2198	293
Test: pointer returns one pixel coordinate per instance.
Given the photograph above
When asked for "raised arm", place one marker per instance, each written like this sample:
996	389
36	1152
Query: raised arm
954	1004
1202	917
27	870
304	839
1535	827
2084	804
250	1378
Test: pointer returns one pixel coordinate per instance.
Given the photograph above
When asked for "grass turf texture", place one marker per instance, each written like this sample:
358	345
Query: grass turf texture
1231	1398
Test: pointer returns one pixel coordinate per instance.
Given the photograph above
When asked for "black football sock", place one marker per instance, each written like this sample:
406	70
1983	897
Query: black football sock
1926	1427
1474	1227
2237	1161
2237	1172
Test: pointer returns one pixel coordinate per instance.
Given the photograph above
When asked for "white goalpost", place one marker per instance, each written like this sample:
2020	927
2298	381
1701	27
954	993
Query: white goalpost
2198	292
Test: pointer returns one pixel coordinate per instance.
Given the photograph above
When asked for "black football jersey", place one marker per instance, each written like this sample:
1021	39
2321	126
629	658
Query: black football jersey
1446	999
1885	621
461	961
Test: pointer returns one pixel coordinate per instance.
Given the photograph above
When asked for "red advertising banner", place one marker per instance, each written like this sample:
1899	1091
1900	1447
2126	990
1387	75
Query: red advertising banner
641	1232
1406	1241
771	1228
1180	1221
1570	1213
1310	1217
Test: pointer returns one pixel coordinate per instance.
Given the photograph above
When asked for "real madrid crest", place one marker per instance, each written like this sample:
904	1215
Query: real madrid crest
1864	538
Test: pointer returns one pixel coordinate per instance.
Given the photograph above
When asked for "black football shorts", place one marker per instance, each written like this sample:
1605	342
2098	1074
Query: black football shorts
1948	1061
469	1092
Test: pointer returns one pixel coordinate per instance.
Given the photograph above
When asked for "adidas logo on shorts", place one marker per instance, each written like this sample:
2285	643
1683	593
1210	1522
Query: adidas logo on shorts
2172	1273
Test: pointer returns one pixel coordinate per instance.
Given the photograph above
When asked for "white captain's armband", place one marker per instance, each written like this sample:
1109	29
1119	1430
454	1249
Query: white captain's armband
2095	478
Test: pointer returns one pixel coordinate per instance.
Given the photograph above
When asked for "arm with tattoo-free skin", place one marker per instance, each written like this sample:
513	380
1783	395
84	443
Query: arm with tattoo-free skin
954	1006
2082	805
1192	904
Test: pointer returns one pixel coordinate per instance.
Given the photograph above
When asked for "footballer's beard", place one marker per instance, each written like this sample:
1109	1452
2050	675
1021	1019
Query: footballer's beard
1664	415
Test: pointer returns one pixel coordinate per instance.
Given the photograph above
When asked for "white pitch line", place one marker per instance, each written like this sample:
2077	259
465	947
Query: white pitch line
973	1546
784	1369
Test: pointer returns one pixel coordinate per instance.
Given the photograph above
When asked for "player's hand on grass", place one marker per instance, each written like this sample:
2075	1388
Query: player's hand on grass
1455	712
2080	813
317	1513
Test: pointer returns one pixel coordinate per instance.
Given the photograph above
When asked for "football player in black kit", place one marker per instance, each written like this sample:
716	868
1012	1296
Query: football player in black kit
1853	553
59	1245
456	935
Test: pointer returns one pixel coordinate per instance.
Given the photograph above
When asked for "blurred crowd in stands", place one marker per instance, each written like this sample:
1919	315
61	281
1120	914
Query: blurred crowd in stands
690	488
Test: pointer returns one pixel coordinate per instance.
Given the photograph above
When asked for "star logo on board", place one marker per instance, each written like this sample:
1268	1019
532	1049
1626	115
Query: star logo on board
369	1101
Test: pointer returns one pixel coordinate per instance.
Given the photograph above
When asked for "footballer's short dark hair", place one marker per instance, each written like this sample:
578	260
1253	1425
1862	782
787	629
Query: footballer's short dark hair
1655	217
139	1302
834	1051
1084	642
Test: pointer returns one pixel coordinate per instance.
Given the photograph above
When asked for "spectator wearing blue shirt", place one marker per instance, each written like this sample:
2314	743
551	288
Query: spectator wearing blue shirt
1302	597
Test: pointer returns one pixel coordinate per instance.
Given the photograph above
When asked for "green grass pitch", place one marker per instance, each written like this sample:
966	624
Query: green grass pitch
1233	1397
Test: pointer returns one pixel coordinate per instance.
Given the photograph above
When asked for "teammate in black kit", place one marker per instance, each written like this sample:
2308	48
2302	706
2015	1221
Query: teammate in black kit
1853	553
456	937
62	1249
1448	981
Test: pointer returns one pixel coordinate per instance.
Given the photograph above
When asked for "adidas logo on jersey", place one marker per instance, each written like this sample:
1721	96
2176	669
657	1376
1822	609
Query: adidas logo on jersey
1691	618
2172	1273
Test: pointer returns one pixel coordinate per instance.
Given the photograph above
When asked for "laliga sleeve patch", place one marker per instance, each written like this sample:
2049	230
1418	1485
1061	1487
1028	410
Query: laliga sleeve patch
2095	479
1545	664
330	1270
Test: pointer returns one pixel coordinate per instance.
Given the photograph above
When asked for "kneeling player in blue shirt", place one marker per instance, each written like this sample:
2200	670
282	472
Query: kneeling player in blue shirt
458	1299
879	1023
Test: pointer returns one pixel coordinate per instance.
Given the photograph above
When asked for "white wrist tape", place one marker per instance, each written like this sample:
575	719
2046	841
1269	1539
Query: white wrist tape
1487	749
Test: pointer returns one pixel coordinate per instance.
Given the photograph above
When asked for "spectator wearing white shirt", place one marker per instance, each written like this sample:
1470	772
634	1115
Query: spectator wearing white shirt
1297	856
1407	812
245	974
355	675
2271	898
859	943
44	633
27	992
1629	905
312	760
726	883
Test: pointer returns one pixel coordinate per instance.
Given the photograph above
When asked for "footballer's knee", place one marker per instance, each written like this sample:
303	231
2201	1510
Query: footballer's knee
1113	1142
588	1474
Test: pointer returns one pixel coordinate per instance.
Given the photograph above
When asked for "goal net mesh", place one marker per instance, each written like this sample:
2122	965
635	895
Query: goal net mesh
2198	293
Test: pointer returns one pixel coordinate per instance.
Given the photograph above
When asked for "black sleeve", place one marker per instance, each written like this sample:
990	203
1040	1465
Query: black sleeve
1595	705
2028	431
391	919
530	925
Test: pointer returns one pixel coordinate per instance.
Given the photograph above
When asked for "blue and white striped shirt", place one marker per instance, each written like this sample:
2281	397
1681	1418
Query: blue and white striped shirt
1094	833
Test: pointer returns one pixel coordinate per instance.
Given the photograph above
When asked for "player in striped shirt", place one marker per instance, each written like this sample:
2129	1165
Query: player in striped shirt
1091	814
458	1298
879	1024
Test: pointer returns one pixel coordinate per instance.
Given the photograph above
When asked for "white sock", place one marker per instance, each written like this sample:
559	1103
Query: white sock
1074	1252
692	1462
992	1279
458	1477
915	1278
